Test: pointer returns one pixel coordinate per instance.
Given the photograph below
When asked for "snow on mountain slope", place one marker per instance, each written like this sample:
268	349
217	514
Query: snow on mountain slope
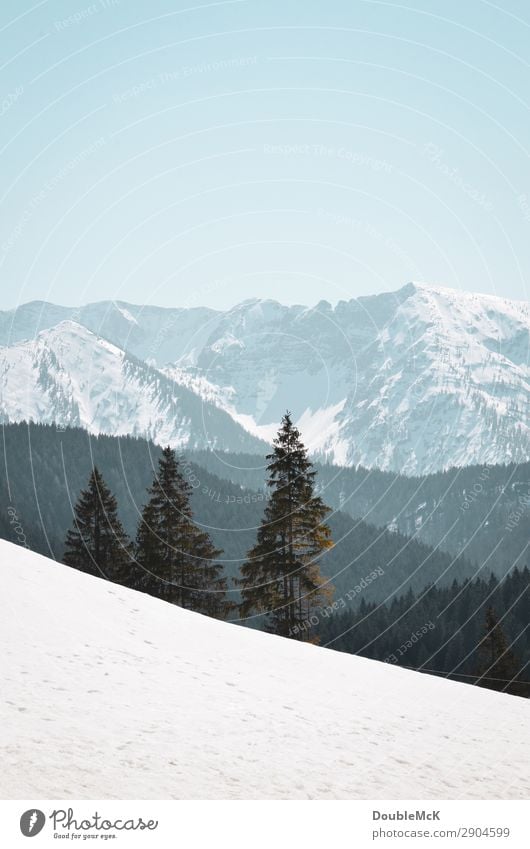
154	334
70	376
449	384
413	381
108	693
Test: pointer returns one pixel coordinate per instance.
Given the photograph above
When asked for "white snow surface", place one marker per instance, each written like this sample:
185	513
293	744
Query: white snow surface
108	693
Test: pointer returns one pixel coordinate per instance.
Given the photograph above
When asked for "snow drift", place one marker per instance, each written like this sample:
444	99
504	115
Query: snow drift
108	693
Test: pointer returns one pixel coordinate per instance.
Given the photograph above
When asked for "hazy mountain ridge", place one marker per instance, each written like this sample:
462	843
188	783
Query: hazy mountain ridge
69	376
413	381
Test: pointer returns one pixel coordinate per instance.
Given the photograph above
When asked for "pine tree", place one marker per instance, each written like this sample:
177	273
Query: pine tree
281	578
177	561
498	666
97	543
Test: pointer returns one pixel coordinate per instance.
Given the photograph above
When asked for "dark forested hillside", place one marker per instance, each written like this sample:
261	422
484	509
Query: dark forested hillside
482	512
438	630
45	469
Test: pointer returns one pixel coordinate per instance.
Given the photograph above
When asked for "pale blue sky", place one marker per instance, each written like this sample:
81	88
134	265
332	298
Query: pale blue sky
203	153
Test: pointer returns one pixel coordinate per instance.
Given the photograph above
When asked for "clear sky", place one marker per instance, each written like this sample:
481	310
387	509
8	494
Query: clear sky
183	153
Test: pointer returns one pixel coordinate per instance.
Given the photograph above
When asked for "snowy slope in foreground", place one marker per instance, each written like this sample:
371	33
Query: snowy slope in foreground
108	693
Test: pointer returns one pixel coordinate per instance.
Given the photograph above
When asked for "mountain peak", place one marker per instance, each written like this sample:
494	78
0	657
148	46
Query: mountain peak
414	381
462	295
72	329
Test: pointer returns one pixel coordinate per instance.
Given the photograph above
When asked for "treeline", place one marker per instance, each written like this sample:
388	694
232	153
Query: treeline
46	470
173	559
474	631
287	541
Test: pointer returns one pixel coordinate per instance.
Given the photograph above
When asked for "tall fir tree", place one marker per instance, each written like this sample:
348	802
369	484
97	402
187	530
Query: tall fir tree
498	666
97	542
175	560
281	577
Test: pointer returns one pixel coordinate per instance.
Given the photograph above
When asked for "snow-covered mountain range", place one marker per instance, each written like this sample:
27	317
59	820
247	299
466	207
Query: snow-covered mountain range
109	693
71	376
414	381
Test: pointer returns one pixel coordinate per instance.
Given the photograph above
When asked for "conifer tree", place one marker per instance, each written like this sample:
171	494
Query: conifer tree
281	578
176	559
97	542
498	667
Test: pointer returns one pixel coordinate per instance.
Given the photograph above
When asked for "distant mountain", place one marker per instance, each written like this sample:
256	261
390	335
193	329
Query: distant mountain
154	334
414	381
70	376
